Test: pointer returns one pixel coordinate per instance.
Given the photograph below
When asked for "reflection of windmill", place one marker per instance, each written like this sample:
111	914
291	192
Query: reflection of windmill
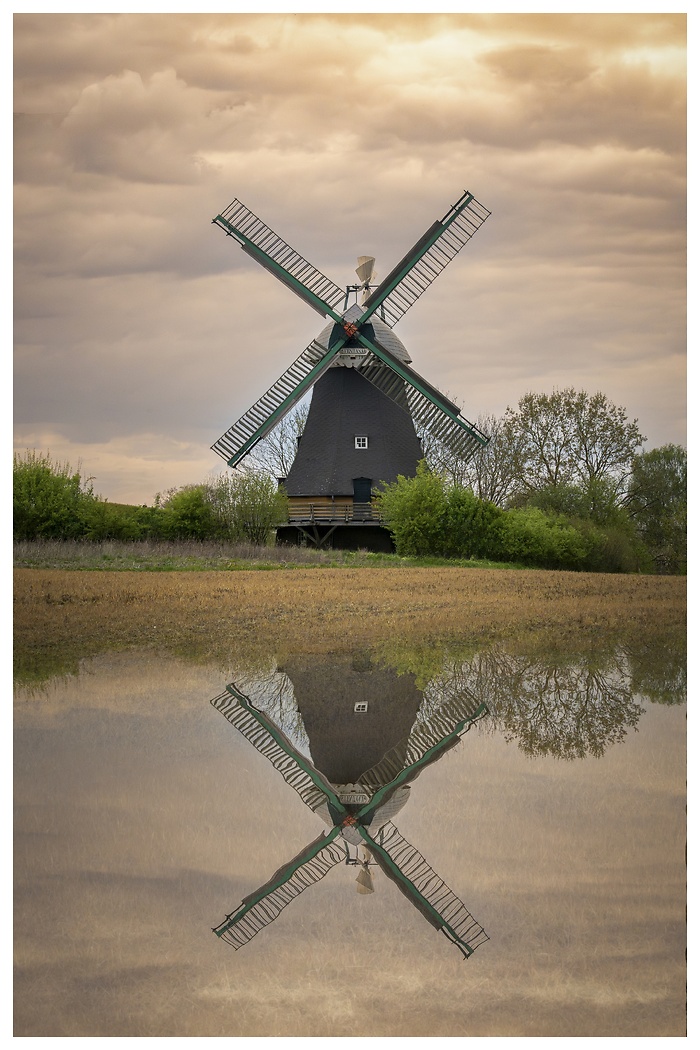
358	815
367	400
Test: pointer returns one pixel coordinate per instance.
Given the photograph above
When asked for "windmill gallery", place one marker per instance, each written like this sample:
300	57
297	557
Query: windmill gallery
368	405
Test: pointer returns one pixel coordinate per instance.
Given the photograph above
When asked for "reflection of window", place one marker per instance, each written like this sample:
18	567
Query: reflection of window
360	442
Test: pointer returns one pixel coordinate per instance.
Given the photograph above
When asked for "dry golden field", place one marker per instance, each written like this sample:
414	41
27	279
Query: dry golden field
311	610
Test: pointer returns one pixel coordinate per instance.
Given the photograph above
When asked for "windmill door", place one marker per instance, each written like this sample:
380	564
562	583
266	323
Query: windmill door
361	497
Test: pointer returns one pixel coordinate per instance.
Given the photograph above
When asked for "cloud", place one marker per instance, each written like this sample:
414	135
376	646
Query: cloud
348	135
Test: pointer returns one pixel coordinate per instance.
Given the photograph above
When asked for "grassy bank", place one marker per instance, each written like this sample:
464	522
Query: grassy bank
193	556
62	615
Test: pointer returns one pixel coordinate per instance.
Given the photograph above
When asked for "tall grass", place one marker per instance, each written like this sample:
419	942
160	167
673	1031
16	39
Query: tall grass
203	555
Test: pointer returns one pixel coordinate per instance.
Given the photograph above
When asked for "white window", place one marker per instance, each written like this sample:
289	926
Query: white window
360	442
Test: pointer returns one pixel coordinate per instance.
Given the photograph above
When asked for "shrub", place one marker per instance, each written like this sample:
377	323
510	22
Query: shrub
247	505
189	514
530	536
414	510
49	500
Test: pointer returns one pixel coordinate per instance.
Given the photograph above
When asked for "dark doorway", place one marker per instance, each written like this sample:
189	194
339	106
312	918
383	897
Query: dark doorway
362	490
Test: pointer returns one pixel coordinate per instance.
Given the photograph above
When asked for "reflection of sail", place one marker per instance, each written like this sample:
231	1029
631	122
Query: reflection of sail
435	733
367	823
262	907
298	771
410	871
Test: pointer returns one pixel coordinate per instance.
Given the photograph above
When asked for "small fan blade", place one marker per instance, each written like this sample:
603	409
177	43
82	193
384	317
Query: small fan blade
365	268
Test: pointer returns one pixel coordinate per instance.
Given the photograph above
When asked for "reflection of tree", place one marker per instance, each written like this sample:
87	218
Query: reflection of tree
567	704
567	709
271	691
658	670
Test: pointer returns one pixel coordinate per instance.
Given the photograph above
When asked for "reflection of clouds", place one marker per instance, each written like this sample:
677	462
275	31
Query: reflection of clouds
124	853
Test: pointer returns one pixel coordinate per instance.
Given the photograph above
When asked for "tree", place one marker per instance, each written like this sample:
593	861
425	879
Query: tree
596	501
657	503
570	437
492	471
275	453
49	500
248	504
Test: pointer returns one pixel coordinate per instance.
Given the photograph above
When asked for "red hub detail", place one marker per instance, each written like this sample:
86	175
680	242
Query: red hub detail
351	329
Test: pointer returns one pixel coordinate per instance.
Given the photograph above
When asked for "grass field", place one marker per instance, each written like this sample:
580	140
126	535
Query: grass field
61	616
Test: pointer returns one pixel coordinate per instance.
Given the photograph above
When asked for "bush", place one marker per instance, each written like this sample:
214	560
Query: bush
428	517
530	536
247	505
188	514
414	511
49	500
613	548
121	521
470	525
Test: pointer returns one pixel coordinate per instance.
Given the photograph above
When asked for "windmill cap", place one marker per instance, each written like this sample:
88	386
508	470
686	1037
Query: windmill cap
386	336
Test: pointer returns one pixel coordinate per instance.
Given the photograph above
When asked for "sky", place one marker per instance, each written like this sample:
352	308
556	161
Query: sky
142	332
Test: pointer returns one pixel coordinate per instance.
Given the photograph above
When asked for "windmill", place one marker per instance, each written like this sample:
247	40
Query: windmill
367	400
357	815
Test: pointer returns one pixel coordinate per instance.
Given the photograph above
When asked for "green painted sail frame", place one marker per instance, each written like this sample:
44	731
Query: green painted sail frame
415	254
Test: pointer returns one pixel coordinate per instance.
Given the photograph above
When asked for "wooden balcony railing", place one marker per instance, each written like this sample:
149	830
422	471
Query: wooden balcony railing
332	511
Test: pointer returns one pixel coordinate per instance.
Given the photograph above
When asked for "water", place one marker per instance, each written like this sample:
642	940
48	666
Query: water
143	817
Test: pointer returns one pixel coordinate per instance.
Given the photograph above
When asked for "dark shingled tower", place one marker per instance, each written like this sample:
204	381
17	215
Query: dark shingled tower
354	439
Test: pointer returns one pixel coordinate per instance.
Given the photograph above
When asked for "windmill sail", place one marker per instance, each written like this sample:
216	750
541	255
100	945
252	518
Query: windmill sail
429	409
433	898
258	240
262	907
426	260
254	424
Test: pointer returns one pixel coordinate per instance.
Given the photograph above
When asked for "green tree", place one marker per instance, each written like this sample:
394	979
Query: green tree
569	438
657	503
49	499
248	505
414	511
110	521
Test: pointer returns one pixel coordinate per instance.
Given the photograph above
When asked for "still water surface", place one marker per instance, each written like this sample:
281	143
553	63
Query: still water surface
143	818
